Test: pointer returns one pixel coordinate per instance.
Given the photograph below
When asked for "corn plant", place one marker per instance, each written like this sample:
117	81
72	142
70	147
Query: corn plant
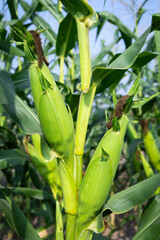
54	142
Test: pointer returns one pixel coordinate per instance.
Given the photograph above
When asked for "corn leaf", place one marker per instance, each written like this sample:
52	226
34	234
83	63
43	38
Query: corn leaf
39	21
125	31
125	200
139	103
4	24
150	221
52	8
33	193
21	80
6	209
30	11
67	36
11	157
81	11
15	217
137	194
116	69
16	108
12	8
144	58
7	47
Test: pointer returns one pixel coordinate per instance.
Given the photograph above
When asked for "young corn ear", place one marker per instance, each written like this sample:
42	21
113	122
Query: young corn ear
99	175
57	124
147	168
150	145
152	150
35	83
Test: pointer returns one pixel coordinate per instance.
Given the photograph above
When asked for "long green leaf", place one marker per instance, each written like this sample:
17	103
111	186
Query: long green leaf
4	24
11	157
7	47
39	21
16	108
52	8
34	193
116	69
66	37
143	59
21	80
29	11
6	209
15	217
125	200
150	221
143	101
110	17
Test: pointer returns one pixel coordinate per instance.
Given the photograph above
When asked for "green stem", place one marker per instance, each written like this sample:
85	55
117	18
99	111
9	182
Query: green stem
78	169
70	227
84	110
85	59
61	77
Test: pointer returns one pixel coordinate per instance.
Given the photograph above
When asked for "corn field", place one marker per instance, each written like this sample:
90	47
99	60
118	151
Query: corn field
79	148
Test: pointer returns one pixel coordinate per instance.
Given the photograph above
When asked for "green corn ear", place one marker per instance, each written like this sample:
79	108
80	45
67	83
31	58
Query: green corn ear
152	150
99	175
47	75
35	83
40	79
57	124
147	168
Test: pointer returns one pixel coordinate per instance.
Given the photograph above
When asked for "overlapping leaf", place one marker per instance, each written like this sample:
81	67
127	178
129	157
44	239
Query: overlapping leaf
39	21
116	69
66	37
16	108
15	217
125	31
125	200
53	8
150	221
11	157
